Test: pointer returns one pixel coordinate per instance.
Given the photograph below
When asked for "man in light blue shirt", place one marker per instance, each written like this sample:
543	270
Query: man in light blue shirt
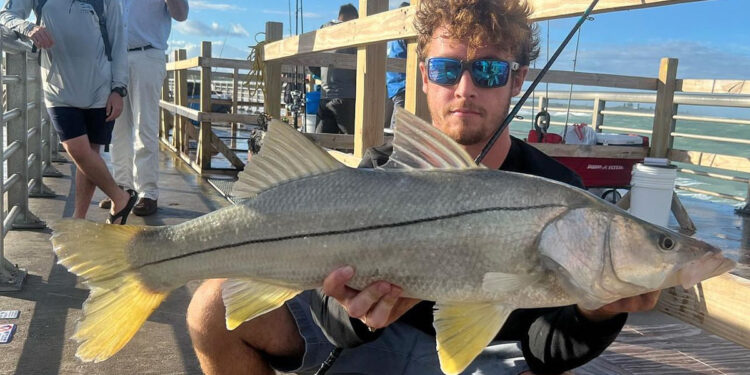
135	139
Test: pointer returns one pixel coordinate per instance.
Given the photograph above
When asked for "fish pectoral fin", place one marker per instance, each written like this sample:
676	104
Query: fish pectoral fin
419	145
286	155
246	299
463	330
507	282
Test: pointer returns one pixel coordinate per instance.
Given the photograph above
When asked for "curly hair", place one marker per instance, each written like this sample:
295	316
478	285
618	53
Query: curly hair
480	23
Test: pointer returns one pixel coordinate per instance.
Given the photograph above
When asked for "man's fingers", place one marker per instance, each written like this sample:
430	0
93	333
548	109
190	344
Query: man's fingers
42	38
379	316
364	301
334	284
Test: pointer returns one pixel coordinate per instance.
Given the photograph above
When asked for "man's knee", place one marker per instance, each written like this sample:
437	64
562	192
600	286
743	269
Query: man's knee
274	333
205	314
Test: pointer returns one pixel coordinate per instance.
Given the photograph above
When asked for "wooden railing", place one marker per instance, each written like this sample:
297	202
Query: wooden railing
177	130
368	35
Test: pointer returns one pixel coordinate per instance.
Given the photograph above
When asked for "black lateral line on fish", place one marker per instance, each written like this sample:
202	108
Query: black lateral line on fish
352	230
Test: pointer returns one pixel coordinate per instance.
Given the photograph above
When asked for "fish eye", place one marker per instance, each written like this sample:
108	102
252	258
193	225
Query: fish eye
666	243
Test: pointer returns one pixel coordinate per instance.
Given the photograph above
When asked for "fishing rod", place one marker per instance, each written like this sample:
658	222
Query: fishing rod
531	88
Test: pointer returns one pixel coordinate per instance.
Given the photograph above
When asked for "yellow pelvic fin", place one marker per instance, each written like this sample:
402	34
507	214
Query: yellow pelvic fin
464	330
246	299
119	302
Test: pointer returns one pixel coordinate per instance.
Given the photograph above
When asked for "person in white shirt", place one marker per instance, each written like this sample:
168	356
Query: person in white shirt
135	140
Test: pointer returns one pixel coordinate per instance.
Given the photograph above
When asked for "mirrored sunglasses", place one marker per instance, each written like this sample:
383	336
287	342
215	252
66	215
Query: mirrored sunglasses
486	73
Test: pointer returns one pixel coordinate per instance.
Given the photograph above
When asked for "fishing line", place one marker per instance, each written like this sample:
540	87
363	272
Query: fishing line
531	88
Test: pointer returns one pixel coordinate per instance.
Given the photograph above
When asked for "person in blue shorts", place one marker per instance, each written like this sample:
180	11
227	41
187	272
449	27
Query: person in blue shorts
85	75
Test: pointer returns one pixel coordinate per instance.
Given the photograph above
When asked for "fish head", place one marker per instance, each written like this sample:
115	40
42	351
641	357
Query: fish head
602	255
653	257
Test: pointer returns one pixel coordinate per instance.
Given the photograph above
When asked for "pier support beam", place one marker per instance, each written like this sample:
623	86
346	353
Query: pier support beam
369	110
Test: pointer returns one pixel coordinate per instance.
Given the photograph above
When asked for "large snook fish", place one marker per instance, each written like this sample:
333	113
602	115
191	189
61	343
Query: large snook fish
479	242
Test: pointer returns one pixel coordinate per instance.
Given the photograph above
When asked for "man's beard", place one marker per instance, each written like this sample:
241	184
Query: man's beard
468	131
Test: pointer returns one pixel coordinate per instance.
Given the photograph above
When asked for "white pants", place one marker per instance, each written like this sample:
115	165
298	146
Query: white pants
135	138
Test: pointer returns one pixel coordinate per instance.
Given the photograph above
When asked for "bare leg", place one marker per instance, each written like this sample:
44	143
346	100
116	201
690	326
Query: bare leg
84	191
239	351
92	166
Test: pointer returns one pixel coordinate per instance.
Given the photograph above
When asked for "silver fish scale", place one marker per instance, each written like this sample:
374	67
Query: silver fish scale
435	233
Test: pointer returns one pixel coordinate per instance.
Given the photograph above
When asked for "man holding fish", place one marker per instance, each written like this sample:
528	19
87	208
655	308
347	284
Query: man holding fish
474	56
527	272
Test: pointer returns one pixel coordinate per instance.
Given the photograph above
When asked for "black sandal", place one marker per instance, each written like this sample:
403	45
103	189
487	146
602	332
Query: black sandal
125	211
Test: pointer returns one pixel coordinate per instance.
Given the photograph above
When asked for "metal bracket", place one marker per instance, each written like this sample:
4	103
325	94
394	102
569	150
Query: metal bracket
58	159
27	222
43	192
51	171
11	277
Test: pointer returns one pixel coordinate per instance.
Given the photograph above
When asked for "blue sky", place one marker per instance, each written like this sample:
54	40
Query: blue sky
711	38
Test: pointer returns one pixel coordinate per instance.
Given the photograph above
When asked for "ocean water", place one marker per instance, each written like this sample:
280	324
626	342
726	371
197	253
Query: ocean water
520	129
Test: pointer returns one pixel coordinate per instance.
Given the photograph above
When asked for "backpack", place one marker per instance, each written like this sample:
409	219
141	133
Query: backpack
98	6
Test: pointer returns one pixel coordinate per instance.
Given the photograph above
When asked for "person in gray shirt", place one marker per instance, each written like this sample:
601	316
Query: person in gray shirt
83	85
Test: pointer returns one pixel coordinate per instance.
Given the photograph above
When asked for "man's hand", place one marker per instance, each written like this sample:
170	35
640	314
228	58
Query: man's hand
643	302
114	106
41	37
378	305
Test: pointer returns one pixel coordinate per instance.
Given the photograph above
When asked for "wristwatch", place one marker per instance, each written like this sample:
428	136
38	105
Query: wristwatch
122	91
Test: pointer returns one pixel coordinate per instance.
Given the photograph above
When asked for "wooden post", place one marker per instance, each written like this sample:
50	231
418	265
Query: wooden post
235	83
663	113
598	118
415	100
272	76
370	100
183	102
204	137
164	114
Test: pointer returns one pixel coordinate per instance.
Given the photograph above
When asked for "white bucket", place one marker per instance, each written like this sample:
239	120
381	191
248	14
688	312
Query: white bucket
310	121
651	192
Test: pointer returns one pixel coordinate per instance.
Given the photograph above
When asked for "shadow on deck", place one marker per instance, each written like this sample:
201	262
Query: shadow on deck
50	302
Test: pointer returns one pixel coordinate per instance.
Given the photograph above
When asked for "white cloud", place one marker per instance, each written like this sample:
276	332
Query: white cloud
239	30
213	6
198	28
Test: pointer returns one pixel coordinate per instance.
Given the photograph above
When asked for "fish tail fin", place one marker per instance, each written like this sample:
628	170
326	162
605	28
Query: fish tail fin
119	301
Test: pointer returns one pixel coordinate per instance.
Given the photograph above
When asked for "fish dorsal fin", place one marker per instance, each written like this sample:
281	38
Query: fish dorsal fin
419	145
463	330
286	155
245	299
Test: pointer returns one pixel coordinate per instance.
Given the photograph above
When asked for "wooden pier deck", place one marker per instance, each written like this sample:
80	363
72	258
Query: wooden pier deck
51	299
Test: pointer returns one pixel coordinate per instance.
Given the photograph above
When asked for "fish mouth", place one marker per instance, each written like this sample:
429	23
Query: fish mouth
709	265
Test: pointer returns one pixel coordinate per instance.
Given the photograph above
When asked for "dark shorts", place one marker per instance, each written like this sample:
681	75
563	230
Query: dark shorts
71	122
400	349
